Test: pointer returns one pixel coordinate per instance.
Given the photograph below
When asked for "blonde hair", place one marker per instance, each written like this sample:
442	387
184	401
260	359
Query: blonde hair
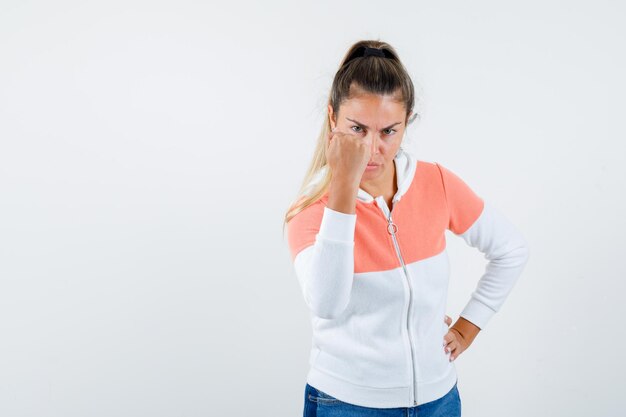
372	74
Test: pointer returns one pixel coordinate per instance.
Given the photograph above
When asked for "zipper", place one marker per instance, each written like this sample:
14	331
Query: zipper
392	228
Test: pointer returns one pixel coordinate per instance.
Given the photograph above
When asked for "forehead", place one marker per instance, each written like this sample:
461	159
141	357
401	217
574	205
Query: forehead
373	108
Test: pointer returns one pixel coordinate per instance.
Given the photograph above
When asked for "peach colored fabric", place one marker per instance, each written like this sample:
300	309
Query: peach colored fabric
422	215
303	227
464	205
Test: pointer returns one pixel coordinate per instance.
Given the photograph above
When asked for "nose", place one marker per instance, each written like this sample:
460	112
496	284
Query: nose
374	149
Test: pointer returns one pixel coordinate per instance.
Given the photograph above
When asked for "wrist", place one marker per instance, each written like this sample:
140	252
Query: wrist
466	329
342	196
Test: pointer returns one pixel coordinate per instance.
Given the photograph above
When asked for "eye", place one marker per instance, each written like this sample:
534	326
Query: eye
359	131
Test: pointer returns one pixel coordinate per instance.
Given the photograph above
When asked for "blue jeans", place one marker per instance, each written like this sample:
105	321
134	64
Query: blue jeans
320	404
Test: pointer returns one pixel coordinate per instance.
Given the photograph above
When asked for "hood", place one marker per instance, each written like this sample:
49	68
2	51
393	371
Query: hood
406	165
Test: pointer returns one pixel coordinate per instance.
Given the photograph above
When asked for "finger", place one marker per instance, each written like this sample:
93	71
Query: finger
368	141
455	354
449	338
447	320
450	347
448	343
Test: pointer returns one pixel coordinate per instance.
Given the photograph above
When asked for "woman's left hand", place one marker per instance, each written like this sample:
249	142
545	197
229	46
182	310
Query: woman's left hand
454	342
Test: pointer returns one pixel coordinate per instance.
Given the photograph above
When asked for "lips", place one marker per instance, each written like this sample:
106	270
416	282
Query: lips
372	165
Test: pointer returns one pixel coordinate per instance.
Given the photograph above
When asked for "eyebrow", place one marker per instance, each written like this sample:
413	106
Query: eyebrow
367	127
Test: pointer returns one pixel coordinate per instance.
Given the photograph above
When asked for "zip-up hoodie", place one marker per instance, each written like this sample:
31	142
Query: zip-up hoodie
376	283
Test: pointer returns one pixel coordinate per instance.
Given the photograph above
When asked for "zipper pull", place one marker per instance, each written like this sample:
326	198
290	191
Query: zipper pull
392	228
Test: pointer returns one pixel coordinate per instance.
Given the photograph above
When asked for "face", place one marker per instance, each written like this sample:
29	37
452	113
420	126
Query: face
381	117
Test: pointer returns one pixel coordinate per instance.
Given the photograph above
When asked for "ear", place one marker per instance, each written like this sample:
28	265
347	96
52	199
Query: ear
331	117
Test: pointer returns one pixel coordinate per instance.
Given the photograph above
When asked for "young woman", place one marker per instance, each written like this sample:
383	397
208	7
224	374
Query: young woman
367	238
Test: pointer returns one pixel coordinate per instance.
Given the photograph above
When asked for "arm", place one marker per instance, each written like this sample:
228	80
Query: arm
482	226
507	251
325	269
321	239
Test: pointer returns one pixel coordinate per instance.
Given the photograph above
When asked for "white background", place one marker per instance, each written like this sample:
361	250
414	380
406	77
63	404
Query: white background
149	150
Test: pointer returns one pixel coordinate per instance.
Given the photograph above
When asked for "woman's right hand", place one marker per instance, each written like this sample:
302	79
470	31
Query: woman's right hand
348	154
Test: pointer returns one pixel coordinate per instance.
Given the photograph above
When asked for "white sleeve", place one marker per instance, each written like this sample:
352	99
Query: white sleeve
325	270
507	251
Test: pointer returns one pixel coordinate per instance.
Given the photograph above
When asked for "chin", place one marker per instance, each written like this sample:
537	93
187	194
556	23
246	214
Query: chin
372	174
